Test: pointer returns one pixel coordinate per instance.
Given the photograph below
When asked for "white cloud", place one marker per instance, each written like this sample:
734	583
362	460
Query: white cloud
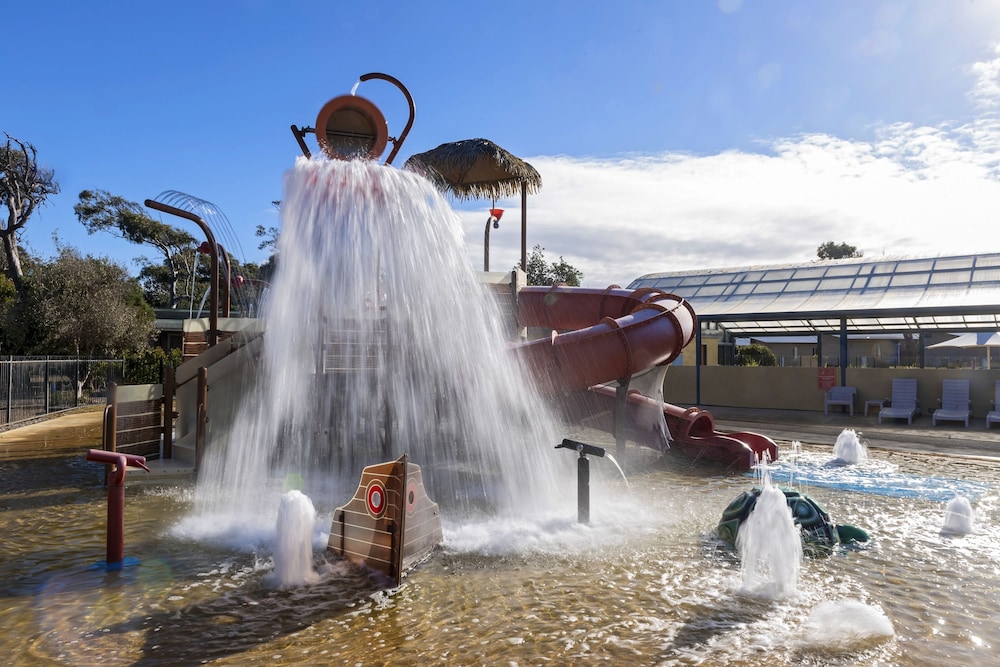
913	190
985	91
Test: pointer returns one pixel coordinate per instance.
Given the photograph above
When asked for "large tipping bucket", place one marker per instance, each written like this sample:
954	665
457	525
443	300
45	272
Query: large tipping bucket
351	127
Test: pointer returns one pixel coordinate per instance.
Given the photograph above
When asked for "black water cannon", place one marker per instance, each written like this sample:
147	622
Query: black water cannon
582	475
581	447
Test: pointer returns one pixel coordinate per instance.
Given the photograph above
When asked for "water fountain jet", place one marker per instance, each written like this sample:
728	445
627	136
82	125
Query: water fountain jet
848	449
959	517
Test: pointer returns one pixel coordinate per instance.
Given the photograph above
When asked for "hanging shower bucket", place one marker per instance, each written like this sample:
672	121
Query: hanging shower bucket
351	127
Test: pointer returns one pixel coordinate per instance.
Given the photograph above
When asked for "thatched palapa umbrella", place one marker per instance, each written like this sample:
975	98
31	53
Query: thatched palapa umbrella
474	168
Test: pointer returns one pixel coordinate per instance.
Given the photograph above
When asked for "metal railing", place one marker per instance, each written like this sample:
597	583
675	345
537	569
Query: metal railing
33	386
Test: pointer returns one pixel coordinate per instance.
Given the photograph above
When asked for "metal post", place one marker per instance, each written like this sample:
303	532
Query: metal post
524	225
843	351
621	404
46	374
486	245
583	489
10	385
201	424
169	389
697	365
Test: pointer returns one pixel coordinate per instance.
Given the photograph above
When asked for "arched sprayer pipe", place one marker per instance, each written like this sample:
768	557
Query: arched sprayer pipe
213	315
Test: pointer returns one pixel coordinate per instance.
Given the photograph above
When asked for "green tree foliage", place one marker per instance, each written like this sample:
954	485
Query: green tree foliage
831	250
149	366
541	272
85	306
755	354
102	211
23	186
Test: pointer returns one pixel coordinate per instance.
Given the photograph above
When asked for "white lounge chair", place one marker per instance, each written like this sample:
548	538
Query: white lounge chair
904	403
840	396
994	414
954	403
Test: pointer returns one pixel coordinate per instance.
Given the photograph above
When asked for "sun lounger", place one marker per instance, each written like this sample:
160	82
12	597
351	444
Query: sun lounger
994	414
903	404
839	396
954	403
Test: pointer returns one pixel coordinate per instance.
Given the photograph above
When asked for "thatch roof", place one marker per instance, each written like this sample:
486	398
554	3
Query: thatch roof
476	168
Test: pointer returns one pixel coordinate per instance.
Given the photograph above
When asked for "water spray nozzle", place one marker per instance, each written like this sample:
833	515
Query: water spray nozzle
581	447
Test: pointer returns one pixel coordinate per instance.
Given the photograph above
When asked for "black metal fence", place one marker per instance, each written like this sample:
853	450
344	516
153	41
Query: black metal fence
32	386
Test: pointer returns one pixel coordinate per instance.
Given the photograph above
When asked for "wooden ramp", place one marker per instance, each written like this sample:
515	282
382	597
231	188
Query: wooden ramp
390	524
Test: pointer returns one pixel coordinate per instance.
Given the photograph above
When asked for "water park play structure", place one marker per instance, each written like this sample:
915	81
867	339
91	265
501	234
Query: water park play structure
358	358
602	357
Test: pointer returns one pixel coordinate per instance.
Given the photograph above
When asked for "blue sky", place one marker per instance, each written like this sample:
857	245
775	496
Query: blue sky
669	135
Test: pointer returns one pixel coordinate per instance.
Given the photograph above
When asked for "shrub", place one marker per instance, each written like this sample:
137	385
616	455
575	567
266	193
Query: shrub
755	354
147	367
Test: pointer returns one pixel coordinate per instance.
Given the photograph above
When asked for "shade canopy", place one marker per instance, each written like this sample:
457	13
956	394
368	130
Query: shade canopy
971	339
476	168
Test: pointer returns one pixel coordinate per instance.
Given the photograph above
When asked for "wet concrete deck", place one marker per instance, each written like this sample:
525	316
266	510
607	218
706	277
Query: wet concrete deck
951	438
75	432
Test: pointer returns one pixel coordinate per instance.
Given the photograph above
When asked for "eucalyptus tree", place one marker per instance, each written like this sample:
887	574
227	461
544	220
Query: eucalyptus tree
24	185
101	211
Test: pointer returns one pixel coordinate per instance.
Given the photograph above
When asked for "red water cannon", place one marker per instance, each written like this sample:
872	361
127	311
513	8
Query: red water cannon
116	500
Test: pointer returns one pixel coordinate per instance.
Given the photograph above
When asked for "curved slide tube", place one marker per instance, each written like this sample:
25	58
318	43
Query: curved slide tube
600	336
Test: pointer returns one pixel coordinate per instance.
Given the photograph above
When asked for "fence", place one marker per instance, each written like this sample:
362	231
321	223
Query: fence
32	386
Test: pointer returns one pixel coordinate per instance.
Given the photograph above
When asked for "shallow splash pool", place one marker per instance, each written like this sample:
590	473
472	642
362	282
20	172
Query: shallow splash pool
647	582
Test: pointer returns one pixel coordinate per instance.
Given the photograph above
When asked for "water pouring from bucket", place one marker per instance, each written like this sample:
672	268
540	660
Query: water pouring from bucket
380	341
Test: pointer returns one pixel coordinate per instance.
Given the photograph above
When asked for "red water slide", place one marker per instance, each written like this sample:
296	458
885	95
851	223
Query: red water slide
601	336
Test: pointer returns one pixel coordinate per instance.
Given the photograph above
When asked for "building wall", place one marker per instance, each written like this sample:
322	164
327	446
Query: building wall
795	388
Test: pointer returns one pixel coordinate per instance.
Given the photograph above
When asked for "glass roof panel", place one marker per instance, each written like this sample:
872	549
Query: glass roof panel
802	285
983	275
709	290
836	283
844	270
947	263
946	277
916	265
889	295
908	279
810	272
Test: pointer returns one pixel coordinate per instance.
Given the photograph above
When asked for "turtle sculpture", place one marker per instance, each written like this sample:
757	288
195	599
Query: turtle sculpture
809	515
